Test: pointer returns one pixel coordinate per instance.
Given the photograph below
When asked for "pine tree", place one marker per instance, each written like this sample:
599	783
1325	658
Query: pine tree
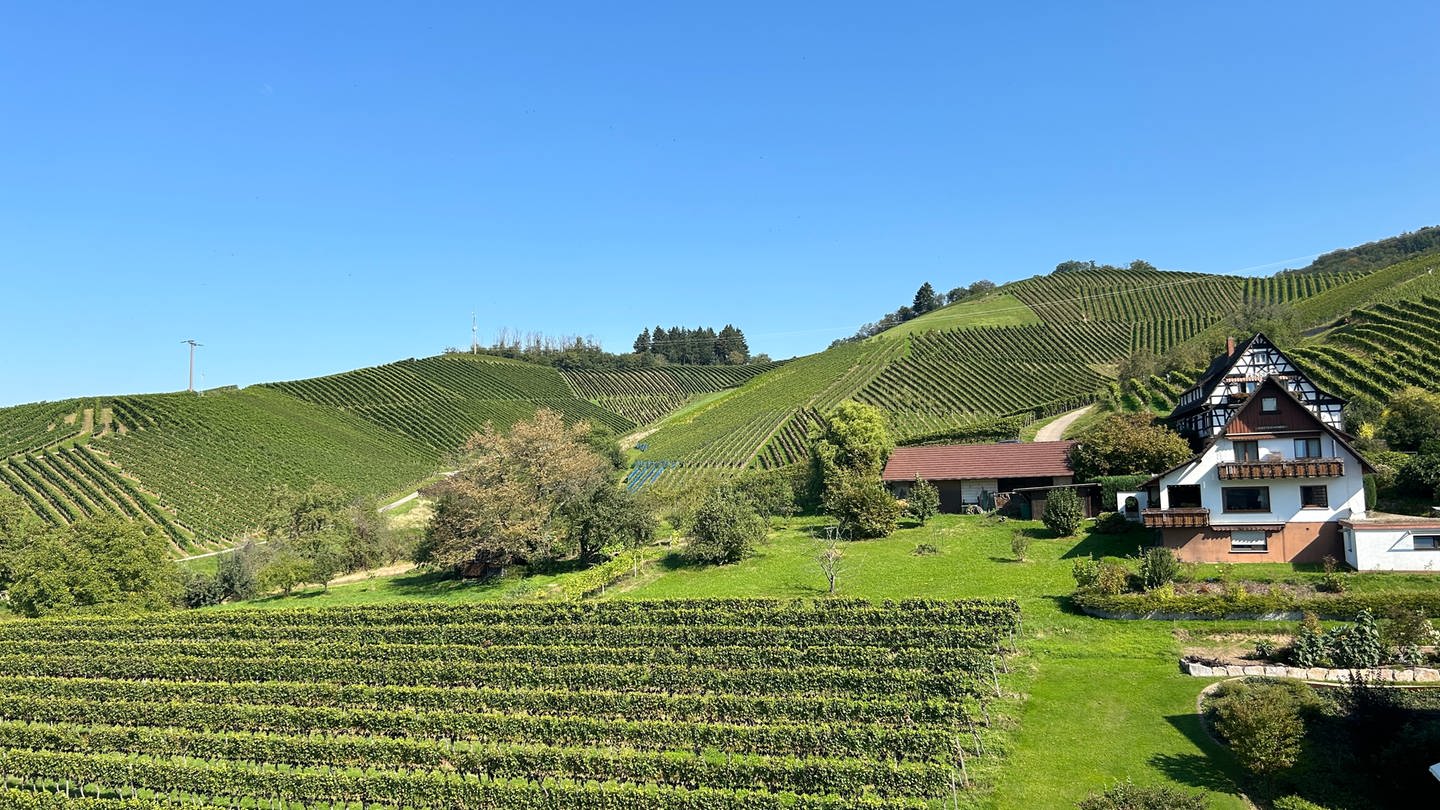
642	343
925	299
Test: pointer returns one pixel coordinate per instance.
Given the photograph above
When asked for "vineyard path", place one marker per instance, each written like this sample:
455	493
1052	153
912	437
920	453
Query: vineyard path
1055	431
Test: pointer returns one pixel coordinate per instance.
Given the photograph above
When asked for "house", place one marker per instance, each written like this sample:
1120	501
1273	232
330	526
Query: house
1204	408
1275	478
974	474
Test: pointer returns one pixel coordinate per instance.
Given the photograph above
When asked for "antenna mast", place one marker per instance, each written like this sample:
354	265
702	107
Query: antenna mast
474	341
192	345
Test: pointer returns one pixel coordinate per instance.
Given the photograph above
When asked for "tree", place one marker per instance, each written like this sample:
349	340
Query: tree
237	573
925	300
504	504
95	563
956	294
1063	513
285	570
18	525
607	516
861	505
1126	444
771	493
855	437
642	342
1411	419
725	529
830	558
295	514
981	287
924	500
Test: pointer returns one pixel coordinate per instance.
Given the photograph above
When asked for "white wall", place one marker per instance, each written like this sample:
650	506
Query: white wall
1346	493
1379	549
971	488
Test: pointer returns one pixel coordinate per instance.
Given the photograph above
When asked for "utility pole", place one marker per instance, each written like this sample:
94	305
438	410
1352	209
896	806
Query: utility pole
193	345
474	341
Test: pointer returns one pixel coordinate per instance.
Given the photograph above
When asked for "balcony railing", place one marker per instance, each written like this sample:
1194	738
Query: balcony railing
1182	518
1289	468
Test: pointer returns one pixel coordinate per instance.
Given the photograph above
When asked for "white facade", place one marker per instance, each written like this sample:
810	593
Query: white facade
1258	361
971	488
1377	547
1345	494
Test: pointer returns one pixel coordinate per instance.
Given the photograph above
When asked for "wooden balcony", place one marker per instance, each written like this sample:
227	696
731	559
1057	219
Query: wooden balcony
1289	468
1185	518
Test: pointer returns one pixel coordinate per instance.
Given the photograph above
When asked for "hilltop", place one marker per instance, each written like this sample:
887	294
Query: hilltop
202	466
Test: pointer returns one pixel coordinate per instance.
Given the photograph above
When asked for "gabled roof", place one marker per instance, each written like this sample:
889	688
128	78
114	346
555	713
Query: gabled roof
954	462
1277	385
1220	367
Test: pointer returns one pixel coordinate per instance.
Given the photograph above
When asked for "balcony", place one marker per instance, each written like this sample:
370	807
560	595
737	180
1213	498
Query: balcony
1289	468
1182	518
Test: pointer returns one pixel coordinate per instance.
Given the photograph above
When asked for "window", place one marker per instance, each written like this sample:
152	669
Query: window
1247	499
1184	496
1269	404
1426	541
1307	448
1249	542
1315	497
1247	451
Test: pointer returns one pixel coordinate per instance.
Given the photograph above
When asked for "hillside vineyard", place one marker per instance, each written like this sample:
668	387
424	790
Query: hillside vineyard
202	466
679	704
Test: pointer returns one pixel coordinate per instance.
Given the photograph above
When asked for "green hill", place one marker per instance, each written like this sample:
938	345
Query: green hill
202	466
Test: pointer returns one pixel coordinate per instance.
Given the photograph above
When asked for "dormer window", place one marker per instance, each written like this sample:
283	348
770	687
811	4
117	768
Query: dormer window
1269	404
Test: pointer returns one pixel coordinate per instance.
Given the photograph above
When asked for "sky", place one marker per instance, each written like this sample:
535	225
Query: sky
306	188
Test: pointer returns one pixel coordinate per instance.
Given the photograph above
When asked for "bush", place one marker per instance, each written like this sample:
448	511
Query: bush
1358	646
1261	721
1130	796
725	529
1063	513
1086	572
1158	566
1310	649
924	500
1264	649
1113	579
1295	803
1406	627
1112	523
1238	604
1019	544
861	505
203	590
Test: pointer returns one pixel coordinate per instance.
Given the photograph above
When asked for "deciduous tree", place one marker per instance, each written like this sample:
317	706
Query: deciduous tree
1126	444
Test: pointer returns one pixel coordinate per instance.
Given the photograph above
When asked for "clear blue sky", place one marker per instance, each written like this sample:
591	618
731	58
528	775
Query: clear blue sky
307	187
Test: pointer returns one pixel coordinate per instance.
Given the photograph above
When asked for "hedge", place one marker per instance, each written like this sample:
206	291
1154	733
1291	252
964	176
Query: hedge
1226	606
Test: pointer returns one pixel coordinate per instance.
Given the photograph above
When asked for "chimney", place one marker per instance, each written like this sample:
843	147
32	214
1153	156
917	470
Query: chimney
1229	345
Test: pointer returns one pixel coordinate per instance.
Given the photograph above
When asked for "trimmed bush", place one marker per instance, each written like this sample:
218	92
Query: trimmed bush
1063	513
1237	603
1130	796
1261	721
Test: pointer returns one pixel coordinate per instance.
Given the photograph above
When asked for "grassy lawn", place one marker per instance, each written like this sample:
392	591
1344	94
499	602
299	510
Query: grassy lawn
1106	700
997	309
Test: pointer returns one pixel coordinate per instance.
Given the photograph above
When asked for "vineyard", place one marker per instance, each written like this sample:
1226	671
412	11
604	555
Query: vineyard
683	704
213	459
729	432
1379	350
441	401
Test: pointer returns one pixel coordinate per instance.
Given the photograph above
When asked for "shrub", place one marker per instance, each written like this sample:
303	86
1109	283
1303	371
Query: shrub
1264	649
1261	721
1130	796
1358	645
1113	579
1158	566
1063	513
924	500
925	550
1333	580
725	529
1112	523
1406	627
1295	803
1086	572
1019	544
861	505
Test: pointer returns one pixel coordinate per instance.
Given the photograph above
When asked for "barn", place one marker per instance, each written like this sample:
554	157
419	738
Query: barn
973	474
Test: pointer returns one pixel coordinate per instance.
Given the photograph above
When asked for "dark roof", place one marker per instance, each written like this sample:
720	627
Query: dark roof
954	462
1220	366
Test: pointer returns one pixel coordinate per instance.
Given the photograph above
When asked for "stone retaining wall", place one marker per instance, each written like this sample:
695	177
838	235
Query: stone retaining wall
1407	675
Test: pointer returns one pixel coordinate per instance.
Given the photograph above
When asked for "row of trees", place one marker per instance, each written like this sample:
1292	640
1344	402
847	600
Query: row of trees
698	346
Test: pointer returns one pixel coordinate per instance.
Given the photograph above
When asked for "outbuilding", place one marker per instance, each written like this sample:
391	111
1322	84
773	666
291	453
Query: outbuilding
973	474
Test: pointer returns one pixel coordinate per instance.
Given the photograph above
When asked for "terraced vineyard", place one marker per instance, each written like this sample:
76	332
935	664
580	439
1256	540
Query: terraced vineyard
1378	351
730	432
212	459
718	704
645	395
441	401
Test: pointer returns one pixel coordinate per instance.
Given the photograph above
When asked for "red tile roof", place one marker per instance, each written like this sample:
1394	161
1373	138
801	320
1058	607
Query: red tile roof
951	462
